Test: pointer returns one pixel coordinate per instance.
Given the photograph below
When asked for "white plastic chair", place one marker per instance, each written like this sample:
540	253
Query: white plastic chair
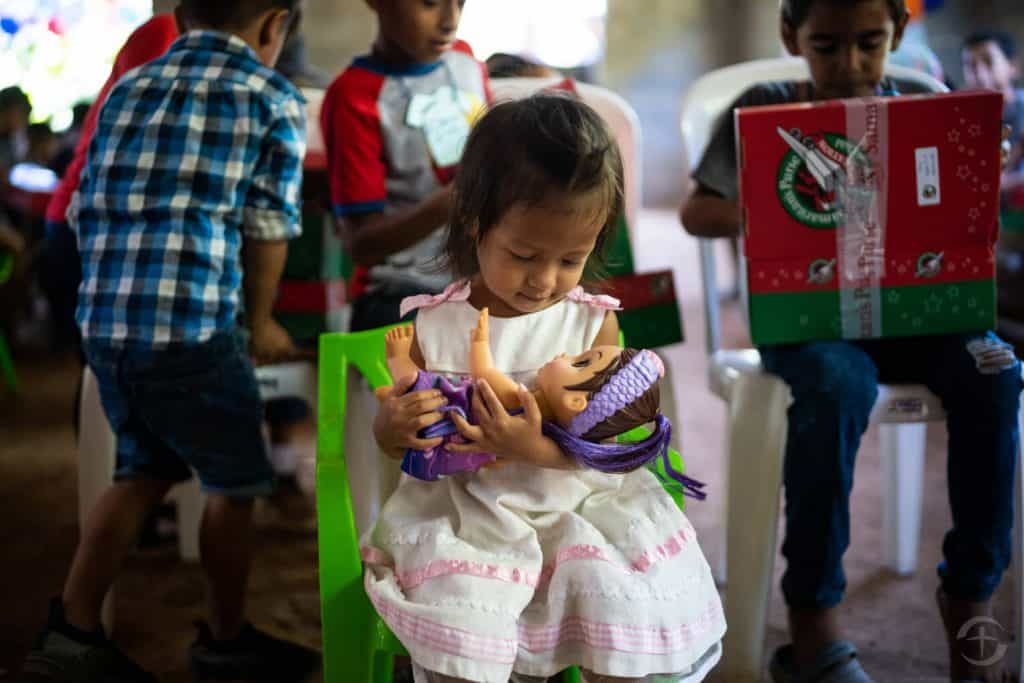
757	405
97	454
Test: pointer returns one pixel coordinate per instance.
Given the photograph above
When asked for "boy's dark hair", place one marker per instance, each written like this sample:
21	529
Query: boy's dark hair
525	151
794	12
14	97
1004	40
232	13
505	65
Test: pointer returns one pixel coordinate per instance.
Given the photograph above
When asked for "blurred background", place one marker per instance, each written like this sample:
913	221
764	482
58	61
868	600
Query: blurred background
59	52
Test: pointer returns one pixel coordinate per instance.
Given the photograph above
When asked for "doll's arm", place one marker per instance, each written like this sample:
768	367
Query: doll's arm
481	363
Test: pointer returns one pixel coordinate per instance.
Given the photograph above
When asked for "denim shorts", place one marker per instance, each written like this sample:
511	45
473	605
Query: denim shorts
183	408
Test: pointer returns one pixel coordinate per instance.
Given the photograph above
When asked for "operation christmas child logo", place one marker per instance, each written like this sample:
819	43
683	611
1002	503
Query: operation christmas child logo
811	176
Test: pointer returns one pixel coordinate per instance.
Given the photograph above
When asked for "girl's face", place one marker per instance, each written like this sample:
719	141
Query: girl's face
535	255
845	45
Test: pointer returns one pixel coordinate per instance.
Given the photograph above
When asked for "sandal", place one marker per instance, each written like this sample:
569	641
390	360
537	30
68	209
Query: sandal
837	663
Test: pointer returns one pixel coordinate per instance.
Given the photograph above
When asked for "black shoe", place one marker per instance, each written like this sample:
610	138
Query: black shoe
253	655
65	654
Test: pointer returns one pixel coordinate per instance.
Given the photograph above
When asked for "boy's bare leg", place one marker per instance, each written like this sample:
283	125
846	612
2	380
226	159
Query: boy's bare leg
812	630
110	533
226	548
955	613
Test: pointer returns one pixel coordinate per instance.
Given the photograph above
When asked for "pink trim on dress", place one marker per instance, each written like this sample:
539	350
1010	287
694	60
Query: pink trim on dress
456	291
608	303
438	568
630	638
453	641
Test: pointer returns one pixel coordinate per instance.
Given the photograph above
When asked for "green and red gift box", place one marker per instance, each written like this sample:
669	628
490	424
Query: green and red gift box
870	218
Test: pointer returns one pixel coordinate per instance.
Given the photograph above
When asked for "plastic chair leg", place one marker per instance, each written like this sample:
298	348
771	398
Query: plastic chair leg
7	366
1017	647
902	450
96	449
757	441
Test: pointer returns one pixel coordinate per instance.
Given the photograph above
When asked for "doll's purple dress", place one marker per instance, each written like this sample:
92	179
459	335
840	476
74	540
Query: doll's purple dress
439	462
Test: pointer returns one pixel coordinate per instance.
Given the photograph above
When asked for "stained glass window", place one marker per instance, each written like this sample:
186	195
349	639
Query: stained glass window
60	51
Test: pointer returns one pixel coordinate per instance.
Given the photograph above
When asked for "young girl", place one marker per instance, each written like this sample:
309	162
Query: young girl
523	570
835	383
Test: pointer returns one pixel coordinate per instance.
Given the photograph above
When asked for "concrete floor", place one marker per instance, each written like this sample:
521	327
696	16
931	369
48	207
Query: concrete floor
893	620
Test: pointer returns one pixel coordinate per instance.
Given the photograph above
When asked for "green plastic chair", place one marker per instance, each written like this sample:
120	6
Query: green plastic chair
357	646
6	364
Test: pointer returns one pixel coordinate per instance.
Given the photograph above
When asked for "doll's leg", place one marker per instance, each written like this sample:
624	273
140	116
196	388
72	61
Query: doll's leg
397	350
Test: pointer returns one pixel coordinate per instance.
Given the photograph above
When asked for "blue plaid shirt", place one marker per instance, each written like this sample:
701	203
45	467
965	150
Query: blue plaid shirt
192	152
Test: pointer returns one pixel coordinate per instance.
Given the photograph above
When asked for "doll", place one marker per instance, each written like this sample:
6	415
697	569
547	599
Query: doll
585	401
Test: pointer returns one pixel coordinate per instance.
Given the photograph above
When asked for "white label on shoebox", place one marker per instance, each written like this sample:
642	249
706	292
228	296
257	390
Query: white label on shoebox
929	190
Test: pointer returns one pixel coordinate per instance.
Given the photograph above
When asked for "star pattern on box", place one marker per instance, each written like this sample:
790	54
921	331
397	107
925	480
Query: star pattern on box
963	172
953	292
933	304
954	136
893	297
974	214
975	130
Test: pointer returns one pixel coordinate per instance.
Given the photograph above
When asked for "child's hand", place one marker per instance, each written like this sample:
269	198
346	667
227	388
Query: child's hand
271	343
402	415
516	437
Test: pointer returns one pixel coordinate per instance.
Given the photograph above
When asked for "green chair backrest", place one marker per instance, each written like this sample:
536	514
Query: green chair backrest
357	646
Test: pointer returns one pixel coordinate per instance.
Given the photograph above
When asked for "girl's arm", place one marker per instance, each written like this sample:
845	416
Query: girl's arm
481	364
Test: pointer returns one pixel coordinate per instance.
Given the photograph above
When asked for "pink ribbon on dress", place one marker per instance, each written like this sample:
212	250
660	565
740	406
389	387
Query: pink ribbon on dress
456	291
608	303
459	291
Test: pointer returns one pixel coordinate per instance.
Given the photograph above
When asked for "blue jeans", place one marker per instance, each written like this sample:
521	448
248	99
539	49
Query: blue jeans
834	386
186	407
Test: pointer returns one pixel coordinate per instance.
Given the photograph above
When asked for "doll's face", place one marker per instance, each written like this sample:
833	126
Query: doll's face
566	371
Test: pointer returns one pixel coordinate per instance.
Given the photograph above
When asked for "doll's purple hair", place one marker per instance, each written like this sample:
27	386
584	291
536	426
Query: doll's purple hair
622	389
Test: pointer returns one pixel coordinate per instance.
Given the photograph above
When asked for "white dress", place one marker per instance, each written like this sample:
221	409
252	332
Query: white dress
533	570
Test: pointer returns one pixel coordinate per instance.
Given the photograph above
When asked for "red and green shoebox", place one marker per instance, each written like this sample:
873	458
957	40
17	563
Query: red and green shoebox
870	218
650	311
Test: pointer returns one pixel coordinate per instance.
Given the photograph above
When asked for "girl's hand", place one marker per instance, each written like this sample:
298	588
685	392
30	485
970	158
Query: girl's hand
402	415
515	437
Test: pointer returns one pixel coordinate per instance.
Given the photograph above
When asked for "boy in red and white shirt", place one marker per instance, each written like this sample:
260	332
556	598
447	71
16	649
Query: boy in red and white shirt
394	124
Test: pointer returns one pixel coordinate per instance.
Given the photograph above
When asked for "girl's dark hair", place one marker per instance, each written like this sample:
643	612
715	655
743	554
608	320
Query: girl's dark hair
526	151
236	14
794	12
639	412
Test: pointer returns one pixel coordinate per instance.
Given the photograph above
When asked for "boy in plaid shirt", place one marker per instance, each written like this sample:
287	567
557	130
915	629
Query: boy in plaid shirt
193	178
